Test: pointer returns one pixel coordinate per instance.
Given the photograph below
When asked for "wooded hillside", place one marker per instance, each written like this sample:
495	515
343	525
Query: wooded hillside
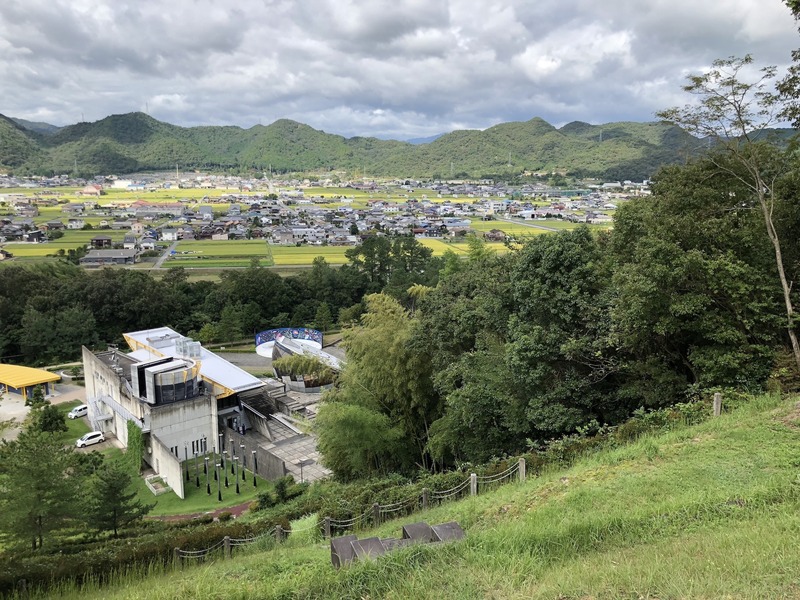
137	142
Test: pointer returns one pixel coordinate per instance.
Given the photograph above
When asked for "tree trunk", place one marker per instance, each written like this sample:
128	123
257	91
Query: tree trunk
785	286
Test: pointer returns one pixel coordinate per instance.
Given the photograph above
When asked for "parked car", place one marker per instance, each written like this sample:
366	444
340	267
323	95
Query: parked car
78	411
93	437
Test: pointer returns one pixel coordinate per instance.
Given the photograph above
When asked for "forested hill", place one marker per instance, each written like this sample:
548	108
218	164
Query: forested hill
137	142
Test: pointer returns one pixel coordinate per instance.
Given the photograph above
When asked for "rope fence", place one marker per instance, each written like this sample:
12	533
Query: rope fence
372	517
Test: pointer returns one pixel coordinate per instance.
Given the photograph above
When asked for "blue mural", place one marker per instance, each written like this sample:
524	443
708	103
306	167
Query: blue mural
294	333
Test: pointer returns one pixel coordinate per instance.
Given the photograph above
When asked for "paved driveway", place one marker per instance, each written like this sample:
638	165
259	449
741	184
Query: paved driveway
111	442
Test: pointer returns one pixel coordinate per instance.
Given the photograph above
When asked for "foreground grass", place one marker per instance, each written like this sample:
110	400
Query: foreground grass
699	512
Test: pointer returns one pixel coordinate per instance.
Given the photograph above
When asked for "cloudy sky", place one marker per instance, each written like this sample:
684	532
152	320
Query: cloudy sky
388	68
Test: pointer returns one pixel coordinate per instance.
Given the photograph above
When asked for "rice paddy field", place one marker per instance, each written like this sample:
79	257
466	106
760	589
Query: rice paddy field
239	253
70	241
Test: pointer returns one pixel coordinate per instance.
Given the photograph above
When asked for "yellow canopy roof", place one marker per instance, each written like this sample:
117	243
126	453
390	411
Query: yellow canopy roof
18	377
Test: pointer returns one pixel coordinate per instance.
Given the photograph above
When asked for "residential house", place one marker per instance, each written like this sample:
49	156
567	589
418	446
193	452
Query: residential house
99	242
90	190
101	258
54	225
33	236
119	225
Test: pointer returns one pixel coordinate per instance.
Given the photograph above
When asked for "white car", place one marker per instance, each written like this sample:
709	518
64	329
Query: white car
78	411
93	437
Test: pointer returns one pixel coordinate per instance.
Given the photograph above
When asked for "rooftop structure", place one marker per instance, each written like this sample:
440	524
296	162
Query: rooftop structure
223	378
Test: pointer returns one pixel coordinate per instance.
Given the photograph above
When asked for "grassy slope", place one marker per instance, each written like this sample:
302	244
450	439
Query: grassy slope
703	512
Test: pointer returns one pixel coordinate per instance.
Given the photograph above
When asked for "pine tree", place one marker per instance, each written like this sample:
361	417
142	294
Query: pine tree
111	503
37	486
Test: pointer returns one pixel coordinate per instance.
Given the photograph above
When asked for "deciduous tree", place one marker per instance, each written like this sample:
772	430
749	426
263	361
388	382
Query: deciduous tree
734	112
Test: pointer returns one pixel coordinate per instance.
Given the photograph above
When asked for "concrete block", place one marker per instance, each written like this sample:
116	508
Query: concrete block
342	552
368	548
418	532
447	531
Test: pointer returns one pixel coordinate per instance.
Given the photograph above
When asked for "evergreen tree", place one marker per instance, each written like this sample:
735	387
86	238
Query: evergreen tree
111	504
323	320
37	486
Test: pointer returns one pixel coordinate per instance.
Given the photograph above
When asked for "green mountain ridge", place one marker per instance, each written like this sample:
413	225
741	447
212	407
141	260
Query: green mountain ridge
134	142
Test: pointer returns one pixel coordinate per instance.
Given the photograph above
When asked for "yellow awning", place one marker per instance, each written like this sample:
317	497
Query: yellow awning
19	377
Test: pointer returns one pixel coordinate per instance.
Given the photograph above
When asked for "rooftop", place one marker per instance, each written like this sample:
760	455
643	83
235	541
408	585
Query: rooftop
153	343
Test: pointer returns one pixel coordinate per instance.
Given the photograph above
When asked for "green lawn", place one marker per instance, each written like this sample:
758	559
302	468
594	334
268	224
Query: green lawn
197	500
75	427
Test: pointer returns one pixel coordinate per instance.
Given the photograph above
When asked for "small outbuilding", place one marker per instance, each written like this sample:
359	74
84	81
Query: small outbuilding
16	379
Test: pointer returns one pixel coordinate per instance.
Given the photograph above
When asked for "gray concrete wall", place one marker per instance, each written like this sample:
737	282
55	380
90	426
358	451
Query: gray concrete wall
269	466
183	422
166	465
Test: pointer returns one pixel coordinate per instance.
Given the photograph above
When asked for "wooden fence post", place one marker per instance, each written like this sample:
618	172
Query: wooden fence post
327	525
226	544
425	498
376	514
176	557
473	484
278	533
717	404
522	470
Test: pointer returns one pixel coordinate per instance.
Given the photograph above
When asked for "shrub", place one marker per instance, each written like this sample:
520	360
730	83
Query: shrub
224	516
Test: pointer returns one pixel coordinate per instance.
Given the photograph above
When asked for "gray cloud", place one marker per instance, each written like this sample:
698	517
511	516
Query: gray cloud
390	68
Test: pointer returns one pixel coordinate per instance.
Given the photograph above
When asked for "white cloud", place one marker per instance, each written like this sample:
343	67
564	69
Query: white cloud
403	68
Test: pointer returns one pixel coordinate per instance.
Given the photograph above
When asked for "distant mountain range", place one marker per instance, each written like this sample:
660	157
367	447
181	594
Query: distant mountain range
137	142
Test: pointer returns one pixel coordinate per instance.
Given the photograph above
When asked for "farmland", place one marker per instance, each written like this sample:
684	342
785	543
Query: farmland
240	253
72	239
